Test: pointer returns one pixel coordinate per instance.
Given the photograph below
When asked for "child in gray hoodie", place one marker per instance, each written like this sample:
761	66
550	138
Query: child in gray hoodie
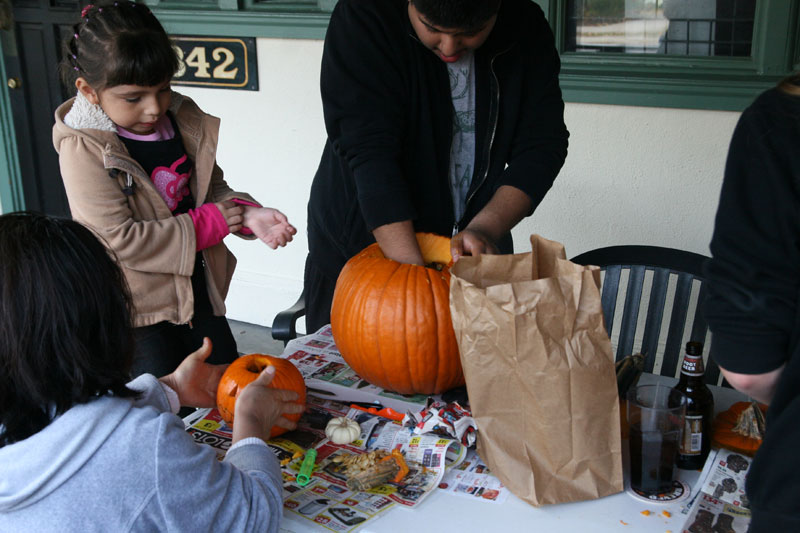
83	449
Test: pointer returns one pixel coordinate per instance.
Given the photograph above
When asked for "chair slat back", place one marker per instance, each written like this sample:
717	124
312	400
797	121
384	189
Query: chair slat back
671	283
655	316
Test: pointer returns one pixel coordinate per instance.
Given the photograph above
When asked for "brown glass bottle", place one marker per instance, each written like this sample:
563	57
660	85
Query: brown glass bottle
696	442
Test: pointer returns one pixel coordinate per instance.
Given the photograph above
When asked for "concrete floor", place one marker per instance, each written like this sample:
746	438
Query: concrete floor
251	338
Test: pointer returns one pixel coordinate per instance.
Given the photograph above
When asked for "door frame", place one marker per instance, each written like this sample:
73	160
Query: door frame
11	197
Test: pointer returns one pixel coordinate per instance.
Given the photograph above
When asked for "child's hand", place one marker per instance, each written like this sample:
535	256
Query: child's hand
196	381
233	213
260	407
269	225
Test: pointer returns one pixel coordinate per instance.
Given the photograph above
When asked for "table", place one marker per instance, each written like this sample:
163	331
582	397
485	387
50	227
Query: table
443	512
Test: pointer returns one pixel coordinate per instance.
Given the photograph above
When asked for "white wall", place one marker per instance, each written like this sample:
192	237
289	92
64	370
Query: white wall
634	175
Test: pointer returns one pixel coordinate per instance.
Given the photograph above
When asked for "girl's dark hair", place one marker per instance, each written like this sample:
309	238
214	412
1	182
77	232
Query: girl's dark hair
65	322
791	85
119	43
457	14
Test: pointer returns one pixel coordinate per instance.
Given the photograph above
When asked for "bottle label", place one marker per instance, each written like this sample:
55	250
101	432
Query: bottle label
692	365
692	442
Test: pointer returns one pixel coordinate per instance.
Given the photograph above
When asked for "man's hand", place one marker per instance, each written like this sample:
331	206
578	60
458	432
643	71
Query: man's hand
260	407
507	207
471	242
269	225
196	381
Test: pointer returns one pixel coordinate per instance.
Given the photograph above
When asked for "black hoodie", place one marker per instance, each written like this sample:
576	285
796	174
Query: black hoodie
388	114
753	303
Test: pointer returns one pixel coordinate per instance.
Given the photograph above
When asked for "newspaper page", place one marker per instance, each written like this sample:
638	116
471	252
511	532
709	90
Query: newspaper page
327	506
326	374
472	479
427	456
326	501
721	503
207	427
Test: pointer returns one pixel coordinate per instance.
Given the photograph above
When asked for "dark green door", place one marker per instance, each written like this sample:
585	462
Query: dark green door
31	56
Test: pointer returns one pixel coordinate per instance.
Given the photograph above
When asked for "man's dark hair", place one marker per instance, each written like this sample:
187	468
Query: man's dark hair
791	84
118	43
460	14
65	322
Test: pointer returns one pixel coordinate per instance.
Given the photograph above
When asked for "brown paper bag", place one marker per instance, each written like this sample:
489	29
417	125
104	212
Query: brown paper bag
540	373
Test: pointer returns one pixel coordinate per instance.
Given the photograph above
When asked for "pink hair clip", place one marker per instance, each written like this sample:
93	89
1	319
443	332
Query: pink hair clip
86	9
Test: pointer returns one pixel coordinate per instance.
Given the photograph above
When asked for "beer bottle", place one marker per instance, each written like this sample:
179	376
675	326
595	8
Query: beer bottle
696	441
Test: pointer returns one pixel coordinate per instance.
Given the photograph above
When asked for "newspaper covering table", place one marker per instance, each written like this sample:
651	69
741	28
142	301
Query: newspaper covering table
472	479
435	460
327	374
721	503
326	501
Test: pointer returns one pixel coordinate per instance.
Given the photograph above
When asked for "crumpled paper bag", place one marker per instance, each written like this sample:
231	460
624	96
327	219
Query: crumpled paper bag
540	373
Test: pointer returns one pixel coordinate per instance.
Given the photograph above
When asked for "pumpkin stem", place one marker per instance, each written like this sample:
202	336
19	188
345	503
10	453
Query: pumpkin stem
750	422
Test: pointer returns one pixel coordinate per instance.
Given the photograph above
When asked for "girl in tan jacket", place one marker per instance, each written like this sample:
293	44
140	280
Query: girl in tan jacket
139	168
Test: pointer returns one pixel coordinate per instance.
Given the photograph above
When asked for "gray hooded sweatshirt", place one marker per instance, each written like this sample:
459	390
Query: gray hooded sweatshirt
115	464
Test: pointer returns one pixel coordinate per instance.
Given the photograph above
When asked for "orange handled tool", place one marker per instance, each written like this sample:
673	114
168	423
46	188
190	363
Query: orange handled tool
386	412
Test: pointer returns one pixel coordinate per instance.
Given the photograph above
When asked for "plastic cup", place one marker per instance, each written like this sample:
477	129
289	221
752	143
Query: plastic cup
655	418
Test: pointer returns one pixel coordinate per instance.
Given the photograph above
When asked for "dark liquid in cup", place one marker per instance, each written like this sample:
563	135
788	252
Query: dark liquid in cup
653	456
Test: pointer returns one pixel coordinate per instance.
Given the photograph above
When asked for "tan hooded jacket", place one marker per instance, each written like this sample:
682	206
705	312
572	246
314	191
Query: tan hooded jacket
155	249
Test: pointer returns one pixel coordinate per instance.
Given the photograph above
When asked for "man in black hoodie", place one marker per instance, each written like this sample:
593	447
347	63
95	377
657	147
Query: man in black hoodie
753	303
443	116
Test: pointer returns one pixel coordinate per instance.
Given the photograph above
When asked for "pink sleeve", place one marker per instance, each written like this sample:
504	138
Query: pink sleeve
209	226
245	230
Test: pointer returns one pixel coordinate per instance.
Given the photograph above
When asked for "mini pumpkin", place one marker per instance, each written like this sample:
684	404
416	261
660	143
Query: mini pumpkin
245	370
737	428
342	430
391	321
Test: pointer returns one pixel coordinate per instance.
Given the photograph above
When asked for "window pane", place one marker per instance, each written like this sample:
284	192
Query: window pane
674	27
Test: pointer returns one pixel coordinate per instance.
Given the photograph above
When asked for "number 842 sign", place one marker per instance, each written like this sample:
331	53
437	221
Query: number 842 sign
221	62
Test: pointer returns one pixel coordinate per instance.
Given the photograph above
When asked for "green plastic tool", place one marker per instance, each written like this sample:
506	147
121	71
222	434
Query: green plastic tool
304	477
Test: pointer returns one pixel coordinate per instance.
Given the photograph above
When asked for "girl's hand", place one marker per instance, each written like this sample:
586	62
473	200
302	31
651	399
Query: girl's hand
196	381
269	225
260	407
233	213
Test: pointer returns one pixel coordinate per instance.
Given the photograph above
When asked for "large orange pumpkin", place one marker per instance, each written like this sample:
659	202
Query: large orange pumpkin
391	321
246	369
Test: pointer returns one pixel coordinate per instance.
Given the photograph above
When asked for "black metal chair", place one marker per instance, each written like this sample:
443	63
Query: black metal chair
284	326
675	287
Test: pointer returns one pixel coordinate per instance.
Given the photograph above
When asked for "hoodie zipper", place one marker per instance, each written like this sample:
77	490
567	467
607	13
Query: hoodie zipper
488	150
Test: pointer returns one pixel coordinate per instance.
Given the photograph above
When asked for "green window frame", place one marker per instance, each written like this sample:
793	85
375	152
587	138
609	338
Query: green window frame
717	83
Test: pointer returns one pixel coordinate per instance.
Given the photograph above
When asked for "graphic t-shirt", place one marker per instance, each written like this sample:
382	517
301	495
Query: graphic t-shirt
462	149
162	155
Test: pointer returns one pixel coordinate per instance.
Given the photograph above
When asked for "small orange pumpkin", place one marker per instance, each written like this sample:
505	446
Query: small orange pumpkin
726	435
391	321
246	369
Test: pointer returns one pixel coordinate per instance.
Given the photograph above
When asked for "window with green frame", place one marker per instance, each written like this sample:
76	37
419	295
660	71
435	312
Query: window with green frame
695	80
616	74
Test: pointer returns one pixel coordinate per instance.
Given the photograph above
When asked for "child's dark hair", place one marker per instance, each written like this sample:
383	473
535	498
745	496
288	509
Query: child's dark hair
65	322
119	43
457	14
